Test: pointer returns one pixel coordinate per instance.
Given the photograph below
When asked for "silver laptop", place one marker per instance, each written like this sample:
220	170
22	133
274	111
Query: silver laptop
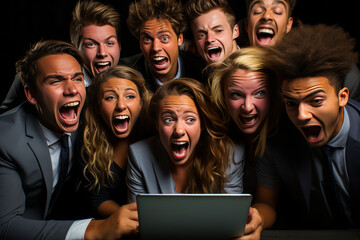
192	216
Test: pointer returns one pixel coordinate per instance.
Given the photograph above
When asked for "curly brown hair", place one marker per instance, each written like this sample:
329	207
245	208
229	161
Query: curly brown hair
97	150
145	10
312	51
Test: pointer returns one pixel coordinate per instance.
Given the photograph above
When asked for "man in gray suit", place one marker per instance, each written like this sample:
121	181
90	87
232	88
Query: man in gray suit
34	165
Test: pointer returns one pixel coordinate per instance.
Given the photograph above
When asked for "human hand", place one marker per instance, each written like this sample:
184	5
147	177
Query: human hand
123	222
253	226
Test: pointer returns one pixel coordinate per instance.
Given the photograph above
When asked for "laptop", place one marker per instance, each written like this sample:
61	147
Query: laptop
192	216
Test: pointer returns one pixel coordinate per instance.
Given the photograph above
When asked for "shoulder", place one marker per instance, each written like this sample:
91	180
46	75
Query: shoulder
133	61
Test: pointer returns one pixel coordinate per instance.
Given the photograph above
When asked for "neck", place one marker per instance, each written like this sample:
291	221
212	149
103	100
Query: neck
120	152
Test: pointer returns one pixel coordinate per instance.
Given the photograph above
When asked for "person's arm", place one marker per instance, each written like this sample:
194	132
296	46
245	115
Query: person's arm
235	171
134	177
265	203
15	222
107	208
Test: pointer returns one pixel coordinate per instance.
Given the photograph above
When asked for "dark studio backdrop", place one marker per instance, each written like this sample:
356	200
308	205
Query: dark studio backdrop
26	22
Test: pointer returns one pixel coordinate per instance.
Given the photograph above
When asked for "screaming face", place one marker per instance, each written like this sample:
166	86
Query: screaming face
179	128
315	108
60	92
120	105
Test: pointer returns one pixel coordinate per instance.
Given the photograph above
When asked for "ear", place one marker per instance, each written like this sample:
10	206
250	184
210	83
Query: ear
30	95
343	96
180	39
235	31
289	24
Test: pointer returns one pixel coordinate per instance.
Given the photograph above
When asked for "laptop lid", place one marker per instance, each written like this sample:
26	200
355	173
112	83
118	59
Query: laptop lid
192	216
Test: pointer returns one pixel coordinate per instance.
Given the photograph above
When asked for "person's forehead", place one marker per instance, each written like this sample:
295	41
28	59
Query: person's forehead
157	26
264	2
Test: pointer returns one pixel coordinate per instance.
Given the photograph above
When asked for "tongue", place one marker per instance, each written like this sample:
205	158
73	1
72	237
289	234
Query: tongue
214	54
161	62
121	124
312	132
179	151
68	113
265	40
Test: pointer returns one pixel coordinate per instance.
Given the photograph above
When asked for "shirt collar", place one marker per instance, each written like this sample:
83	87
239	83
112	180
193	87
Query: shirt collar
50	136
179	72
339	141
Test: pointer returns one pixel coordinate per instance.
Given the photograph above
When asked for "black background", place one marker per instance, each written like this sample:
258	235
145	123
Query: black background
26	22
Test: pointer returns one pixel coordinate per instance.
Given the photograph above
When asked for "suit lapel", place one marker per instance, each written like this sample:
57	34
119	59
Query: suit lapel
38	146
162	168
353	152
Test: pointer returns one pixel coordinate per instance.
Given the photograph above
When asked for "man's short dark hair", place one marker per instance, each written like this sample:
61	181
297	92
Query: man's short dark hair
26	67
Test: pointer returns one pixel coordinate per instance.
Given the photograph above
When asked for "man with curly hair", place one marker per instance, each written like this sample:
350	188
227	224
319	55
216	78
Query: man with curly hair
313	160
159	26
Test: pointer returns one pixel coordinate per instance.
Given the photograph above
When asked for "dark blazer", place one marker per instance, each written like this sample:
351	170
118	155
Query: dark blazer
192	67
26	179
291	157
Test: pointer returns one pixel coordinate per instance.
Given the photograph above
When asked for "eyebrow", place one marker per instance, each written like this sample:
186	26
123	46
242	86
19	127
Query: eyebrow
307	96
58	76
262	2
111	36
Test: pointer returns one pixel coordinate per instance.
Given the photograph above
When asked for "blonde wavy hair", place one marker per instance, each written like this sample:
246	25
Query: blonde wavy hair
211	155
97	151
254	59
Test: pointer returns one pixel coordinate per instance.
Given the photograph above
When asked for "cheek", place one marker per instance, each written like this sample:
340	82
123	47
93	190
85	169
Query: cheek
89	54
233	106
262	105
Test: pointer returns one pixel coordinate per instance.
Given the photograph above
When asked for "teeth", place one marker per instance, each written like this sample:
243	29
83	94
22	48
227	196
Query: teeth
266	30
102	63
121	117
73	104
158	58
179	143
213	48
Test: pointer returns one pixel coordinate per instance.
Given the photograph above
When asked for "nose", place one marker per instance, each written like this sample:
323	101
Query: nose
102	50
70	87
267	15
156	45
248	105
179	129
210	36
303	113
120	105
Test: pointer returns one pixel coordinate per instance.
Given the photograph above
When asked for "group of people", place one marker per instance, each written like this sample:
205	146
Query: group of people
84	131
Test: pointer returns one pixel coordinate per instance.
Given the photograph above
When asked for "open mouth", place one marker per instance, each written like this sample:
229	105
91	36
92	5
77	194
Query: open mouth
160	62
102	66
248	121
179	149
312	133
265	35
69	111
214	53
121	123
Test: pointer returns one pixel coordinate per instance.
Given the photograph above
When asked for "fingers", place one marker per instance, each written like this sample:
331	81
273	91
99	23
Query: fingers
254	222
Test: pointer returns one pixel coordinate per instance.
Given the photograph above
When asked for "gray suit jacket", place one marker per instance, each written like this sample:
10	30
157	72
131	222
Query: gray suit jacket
26	179
149	170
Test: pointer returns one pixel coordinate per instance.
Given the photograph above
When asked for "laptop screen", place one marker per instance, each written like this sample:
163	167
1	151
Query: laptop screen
192	216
